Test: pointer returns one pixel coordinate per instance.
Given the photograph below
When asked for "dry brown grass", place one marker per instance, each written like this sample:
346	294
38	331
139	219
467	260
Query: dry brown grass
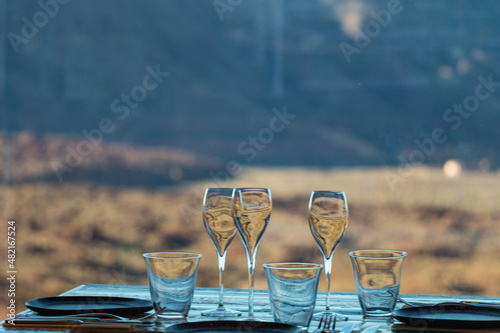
73	233
448	226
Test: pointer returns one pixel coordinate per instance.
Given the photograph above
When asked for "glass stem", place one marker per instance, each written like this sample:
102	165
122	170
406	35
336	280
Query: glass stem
251	269
328	271
222	262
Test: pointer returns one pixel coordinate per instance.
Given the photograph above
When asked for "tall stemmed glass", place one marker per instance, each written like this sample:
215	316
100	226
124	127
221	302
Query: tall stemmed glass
251	212
328	216
218	220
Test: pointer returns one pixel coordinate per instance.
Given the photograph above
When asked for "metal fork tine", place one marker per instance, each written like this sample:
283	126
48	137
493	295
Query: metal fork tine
321	321
326	322
320	325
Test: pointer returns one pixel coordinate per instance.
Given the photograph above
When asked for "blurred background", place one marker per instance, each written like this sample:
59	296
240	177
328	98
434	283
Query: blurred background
116	116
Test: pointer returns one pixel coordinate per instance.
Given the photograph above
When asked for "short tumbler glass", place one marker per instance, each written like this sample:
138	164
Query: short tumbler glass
172	280
378	277
292	291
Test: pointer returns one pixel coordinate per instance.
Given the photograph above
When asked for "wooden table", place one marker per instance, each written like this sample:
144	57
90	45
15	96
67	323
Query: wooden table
237	299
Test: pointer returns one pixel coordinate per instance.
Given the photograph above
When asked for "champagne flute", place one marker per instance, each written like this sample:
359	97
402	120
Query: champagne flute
218	220
328	216
251	212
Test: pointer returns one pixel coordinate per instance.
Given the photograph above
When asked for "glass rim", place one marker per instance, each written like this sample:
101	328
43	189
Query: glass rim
241	190
305	265
235	189
219	188
171	255
328	191
360	254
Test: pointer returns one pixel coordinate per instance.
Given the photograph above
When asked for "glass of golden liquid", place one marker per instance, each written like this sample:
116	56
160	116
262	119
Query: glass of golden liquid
251	212
218	220
328	216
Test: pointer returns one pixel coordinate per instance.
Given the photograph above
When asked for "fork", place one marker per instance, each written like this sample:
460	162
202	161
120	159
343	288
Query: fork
470	303
325	323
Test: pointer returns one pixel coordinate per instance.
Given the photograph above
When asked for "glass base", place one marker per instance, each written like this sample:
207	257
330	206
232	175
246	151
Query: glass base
377	313
318	315
221	312
252	318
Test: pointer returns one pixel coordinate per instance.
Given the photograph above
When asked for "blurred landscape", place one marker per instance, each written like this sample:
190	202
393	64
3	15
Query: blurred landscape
226	77
115	116
451	235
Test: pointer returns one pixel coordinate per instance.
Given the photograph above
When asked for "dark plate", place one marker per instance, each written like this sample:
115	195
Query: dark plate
450	316
66	305
233	326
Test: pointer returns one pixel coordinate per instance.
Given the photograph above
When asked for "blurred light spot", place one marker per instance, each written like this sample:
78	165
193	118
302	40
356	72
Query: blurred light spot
452	168
445	72
478	55
351	23
350	14
484	164
463	66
